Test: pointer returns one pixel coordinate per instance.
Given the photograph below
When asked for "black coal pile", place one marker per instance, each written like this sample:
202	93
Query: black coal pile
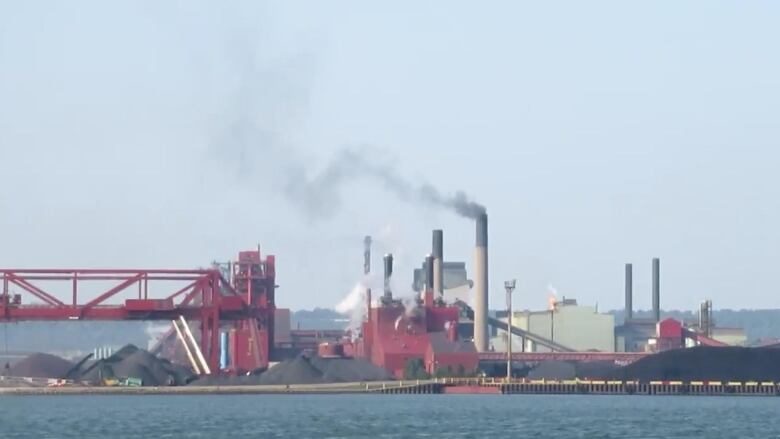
349	370
132	362
41	366
567	370
296	371
705	363
305	370
553	370
595	369
224	380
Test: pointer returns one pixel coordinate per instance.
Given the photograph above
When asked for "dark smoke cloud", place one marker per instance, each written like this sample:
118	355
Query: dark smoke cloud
271	99
320	195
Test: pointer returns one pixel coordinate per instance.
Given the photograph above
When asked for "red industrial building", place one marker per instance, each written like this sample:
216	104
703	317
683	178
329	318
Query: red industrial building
670	335
396	333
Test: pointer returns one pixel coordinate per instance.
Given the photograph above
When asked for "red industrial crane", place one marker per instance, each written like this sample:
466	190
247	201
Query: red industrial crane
243	306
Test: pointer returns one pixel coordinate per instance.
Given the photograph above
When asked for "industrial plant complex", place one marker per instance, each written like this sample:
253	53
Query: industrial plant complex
224	324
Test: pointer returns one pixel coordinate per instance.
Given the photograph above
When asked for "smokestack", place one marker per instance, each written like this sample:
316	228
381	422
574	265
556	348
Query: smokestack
705	318
367	255
438	261
388	275
429	264
657	289
367	271
629	313
481	285
368	304
428	290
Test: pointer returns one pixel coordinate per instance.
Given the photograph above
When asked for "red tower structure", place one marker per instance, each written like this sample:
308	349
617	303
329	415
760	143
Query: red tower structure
252	337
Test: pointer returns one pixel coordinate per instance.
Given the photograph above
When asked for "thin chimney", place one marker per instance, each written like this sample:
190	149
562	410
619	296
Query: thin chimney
388	274
629	312
367	255
367	271
428	290
657	289
481	285
438	263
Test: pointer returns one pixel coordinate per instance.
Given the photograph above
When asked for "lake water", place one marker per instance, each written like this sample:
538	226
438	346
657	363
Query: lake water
388	416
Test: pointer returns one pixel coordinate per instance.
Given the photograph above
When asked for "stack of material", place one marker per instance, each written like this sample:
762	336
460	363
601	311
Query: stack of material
705	363
553	370
595	370
40	366
296	371
132	362
305	370
226	380
349	370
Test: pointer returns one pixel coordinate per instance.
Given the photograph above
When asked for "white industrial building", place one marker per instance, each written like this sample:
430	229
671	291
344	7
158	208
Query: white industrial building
578	327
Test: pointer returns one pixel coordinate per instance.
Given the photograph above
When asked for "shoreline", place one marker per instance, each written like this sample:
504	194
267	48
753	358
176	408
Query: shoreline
435	386
281	389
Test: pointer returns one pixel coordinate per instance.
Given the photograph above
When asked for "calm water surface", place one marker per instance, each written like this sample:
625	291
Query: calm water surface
388	416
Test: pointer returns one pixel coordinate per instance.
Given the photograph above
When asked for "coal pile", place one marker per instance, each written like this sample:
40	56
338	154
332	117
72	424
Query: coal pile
305	370
553	370
41	366
132	362
567	370
705	363
595	369
349	370
223	380
296	371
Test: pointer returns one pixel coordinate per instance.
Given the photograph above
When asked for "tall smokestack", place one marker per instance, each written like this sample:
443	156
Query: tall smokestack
388	275
428	290
481	285
657	289
367	255
367	271
438	261
429	276
629	313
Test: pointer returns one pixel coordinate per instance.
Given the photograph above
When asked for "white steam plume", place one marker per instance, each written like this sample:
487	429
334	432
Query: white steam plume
354	304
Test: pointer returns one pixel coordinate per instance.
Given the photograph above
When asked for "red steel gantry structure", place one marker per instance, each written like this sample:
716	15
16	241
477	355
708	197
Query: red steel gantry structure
245	304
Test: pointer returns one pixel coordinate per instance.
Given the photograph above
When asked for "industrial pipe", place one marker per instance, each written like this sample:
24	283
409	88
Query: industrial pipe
198	353
186	345
224	348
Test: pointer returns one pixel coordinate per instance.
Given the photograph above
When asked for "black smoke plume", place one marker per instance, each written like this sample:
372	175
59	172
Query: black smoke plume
320	195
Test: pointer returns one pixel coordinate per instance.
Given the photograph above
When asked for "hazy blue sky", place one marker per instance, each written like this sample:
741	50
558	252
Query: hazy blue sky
168	134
